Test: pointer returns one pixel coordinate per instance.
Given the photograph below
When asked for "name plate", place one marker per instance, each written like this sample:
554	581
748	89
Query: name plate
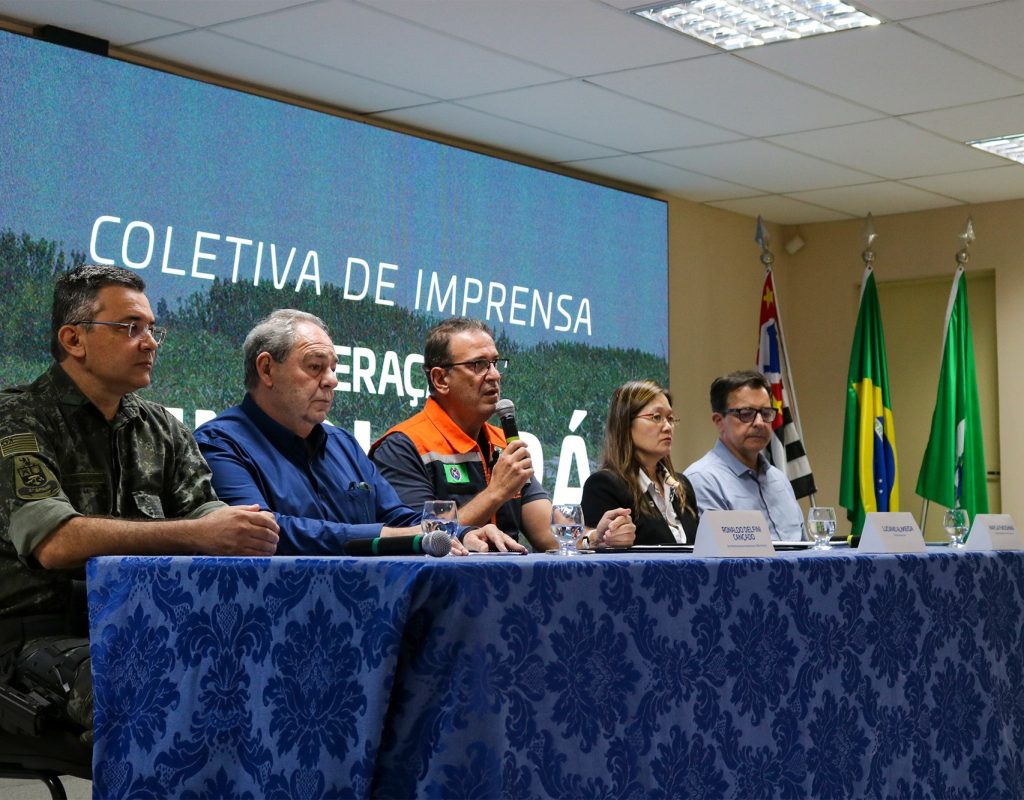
733	534
890	532
994	532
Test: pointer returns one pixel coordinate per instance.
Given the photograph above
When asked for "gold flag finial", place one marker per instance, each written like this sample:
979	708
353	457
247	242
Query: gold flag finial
967	237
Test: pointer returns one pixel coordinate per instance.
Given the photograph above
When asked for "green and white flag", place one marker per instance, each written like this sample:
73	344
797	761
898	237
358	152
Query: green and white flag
953	470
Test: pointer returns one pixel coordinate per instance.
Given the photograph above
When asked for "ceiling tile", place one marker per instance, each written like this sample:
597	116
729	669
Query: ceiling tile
549	33
475	126
594	114
780	210
362	41
207	12
979	186
512	69
761	164
222	55
991	34
888	148
975	121
887	197
680	182
117	25
905	9
887	68
736	94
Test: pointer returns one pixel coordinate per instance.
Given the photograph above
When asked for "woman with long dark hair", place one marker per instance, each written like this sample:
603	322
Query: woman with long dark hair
636	470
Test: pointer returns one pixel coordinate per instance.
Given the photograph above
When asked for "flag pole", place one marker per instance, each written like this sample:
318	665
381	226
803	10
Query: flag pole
967	237
768	259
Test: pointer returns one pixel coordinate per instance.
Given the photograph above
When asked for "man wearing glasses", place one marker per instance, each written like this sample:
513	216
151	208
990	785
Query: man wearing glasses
735	475
275	450
449	451
89	468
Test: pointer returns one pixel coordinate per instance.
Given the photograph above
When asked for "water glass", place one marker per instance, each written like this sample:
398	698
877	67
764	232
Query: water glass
567	525
821	524
956	525
440	515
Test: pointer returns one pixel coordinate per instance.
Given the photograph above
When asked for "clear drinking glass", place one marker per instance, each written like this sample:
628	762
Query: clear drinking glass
567	525
956	524
440	515
821	524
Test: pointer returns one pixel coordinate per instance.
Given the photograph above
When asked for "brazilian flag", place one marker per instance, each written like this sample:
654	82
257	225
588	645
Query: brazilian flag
869	480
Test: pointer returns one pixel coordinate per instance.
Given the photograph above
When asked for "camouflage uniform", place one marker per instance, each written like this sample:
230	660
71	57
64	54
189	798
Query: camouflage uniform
60	458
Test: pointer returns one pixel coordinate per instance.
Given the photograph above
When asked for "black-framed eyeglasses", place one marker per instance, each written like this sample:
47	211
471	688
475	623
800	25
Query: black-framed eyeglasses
133	329
480	365
660	419
746	415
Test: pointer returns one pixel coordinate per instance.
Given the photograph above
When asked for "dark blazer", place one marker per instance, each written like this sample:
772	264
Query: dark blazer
604	491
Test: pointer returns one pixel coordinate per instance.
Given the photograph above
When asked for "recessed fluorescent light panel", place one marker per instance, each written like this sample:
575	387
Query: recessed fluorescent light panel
734	24
1011	147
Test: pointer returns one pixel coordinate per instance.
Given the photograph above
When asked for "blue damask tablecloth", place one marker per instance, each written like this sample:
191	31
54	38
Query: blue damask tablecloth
600	676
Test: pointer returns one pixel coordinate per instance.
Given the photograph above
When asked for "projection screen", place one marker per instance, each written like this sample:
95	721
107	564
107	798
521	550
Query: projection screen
230	205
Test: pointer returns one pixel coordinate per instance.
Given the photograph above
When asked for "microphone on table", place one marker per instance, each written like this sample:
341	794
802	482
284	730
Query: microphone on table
506	412
435	543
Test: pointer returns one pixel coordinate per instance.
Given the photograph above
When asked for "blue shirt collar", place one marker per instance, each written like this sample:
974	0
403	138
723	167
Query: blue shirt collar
728	458
278	435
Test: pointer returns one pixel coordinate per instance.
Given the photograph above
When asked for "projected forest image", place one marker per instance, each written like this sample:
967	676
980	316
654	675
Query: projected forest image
200	364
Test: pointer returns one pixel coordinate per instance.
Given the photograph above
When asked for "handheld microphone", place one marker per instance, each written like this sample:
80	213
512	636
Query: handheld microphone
435	543
506	412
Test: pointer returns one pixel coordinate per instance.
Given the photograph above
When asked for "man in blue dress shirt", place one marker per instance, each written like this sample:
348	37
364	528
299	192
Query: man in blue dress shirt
735	474
275	451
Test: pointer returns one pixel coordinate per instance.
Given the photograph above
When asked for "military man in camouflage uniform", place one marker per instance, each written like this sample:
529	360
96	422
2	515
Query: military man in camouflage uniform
89	468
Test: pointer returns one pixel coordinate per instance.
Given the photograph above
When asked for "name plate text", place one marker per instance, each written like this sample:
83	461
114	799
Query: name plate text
733	534
890	532
994	532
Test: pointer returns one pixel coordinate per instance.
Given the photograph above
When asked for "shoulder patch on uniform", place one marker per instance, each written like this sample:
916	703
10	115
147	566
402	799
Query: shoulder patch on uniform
33	480
19	443
454	473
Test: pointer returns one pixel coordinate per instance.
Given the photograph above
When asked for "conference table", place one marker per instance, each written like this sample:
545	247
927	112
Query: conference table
610	675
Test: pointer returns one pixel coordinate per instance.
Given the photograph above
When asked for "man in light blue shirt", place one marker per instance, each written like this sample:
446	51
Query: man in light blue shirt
735	475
